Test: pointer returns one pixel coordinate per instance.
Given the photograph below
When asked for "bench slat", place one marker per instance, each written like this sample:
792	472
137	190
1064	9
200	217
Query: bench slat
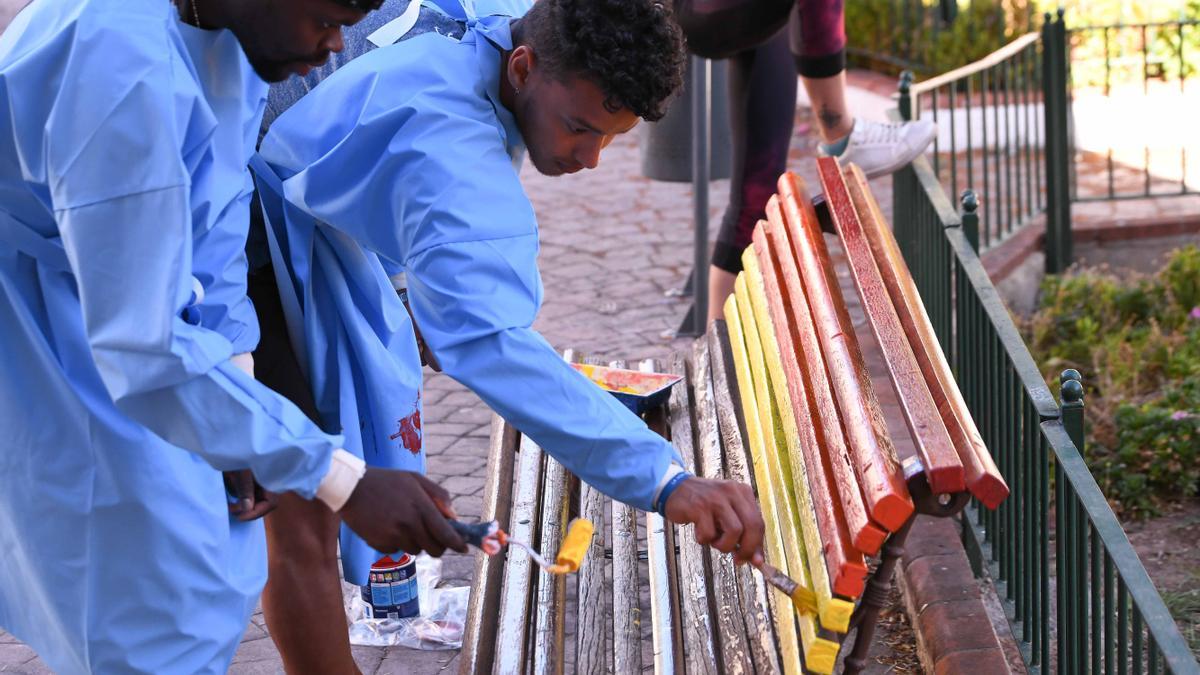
846	566
697	632
752	590
731	630
551	596
819	654
511	641
660	550
879	473
982	477
627	647
771	498
939	458
592	619
806	349
479	641
819	542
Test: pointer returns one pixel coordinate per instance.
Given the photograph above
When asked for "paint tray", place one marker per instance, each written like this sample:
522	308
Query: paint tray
638	391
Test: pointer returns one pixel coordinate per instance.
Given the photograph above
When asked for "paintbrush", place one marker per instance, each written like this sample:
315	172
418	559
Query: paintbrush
803	598
489	538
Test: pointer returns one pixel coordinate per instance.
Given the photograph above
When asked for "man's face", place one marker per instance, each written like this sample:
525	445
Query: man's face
282	37
566	124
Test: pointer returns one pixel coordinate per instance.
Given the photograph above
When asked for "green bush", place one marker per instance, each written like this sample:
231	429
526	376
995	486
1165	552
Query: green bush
1137	341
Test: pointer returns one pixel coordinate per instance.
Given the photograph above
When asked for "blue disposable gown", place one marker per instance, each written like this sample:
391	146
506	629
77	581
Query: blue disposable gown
406	155
123	142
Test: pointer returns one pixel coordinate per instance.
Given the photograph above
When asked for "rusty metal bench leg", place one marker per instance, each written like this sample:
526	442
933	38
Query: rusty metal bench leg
875	598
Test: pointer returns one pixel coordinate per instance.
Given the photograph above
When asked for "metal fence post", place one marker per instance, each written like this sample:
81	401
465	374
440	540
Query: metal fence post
905	103
701	134
1057	150
1072	406
970	218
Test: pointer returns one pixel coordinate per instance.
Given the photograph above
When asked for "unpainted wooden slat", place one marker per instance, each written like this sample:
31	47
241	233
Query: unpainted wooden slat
752	589
627	650
982	476
942	466
731	629
880	475
479	639
551	596
699	652
845	564
512	636
591	613
834	456
817	651
657	420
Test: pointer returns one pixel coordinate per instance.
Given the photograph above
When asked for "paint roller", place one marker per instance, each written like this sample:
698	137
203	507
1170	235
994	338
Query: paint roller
489	538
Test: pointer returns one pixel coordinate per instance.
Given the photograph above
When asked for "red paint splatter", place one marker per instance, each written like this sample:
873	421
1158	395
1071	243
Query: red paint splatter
409	429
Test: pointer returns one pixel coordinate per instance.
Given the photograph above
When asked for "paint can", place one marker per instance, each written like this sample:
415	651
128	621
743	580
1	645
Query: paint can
391	590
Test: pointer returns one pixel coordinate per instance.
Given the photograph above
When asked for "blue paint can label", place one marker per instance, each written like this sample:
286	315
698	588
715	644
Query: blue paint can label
391	592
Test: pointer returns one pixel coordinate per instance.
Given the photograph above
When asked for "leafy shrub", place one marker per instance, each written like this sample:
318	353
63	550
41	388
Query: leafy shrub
1137	341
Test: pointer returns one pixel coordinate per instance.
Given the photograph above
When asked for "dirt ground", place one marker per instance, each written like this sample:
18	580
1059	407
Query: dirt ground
1168	548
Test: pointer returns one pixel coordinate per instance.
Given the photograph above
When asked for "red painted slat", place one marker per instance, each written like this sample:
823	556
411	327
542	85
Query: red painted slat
879	474
845	564
806	351
982	477
943	469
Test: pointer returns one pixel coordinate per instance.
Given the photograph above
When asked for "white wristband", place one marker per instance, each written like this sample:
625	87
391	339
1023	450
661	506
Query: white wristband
345	470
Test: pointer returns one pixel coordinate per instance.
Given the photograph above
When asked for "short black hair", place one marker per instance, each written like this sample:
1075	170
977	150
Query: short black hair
632	49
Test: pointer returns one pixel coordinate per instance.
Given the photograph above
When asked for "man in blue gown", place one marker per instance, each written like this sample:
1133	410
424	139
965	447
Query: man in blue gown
404	164
125	130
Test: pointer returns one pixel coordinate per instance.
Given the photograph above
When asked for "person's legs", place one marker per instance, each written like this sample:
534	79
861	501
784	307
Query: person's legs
762	112
302	601
818	39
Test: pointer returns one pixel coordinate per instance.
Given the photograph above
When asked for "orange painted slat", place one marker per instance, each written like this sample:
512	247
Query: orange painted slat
879	474
806	364
982	477
845	563
942	466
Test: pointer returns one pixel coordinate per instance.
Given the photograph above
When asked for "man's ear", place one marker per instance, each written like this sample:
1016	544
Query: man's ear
521	64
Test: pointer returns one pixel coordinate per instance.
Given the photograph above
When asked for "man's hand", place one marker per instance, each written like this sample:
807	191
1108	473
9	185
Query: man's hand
402	511
725	514
252	501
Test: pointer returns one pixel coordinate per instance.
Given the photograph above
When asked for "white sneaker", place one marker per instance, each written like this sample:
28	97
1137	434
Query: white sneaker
879	148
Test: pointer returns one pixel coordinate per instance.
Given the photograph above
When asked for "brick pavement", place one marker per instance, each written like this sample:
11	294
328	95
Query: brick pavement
612	244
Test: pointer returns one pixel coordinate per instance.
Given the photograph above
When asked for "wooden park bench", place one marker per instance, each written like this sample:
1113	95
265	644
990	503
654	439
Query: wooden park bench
777	396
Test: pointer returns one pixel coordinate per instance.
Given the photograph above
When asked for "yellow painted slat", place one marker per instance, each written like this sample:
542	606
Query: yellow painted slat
772	509
819	653
835	612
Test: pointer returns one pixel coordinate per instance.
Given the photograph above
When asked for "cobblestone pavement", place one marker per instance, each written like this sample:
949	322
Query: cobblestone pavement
613	244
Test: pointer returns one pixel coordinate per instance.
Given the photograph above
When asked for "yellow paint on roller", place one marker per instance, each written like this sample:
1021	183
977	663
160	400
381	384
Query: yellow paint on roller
772	509
575	545
835	613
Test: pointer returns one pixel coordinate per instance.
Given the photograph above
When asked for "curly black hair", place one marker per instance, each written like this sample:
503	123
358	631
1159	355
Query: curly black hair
632	49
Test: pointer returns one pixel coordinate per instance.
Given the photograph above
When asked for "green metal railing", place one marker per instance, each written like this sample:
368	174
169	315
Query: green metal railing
1003	128
1085	605
1115	61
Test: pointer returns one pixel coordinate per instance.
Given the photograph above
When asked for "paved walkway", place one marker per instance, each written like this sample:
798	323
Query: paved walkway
613	243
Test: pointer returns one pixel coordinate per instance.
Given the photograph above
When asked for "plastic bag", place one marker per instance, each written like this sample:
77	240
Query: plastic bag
440	625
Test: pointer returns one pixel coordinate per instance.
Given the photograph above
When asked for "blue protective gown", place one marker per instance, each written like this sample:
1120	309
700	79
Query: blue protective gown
124	137
405	159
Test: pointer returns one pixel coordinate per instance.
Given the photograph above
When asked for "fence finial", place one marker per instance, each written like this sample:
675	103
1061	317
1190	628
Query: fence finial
906	80
1072	405
970	217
